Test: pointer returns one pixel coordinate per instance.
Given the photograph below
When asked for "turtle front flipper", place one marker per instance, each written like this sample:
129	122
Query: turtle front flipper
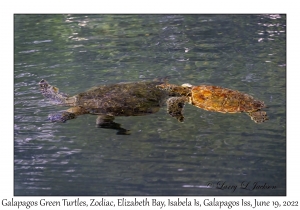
175	107
258	116
61	116
107	121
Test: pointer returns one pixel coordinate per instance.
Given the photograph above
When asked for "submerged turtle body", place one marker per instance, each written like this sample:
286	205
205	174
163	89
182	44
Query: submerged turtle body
142	98
107	101
213	98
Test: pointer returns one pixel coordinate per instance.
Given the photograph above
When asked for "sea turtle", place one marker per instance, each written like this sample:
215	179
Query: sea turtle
213	98
107	101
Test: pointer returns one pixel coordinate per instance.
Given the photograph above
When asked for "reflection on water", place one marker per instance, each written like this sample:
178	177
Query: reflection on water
161	156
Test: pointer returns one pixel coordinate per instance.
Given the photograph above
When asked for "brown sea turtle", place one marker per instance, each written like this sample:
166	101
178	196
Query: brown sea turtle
213	98
107	101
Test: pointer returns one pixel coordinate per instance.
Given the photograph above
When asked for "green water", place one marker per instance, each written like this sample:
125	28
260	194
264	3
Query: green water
161	156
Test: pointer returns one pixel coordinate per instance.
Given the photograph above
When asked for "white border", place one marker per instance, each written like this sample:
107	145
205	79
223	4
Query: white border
8	8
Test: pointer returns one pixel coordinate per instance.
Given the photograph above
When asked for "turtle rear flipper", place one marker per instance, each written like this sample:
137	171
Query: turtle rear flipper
258	116
52	92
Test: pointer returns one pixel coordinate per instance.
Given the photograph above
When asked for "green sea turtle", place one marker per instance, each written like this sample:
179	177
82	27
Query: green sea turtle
213	98
108	101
